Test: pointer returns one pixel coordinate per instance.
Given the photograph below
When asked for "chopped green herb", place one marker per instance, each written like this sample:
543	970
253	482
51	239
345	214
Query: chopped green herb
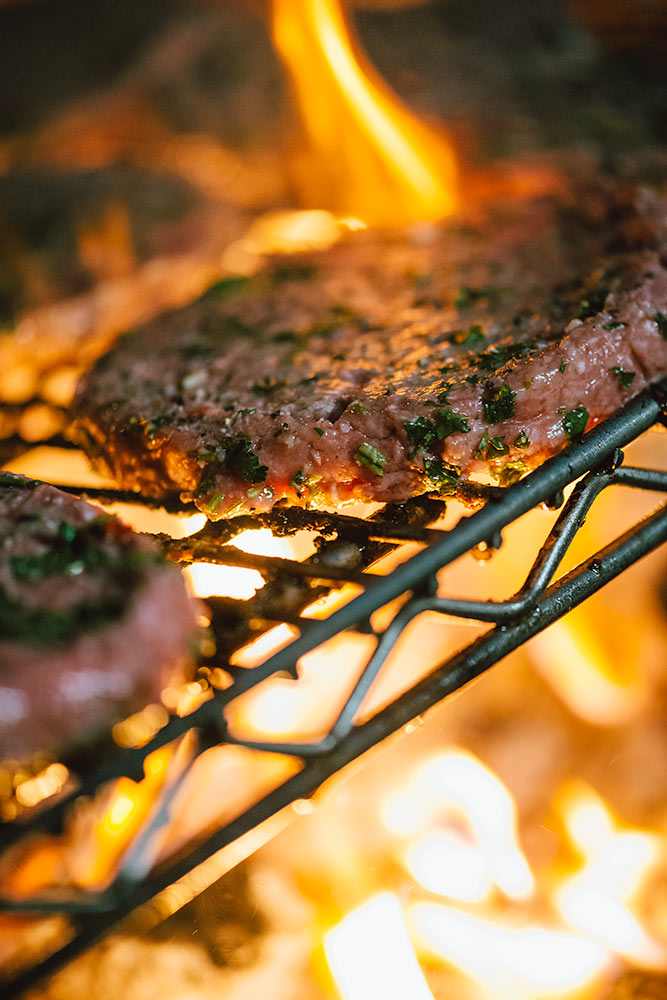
357	407
625	378
154	425
246	411
661	320
214	503
528	383
421	432
496	357
499	404
481	448
77	550
318	430
448	422
9	479
562	366
254	491
472	337
468	296
593	303
613	325
226	286
441	476
574	422
241	460
372	458
497	447
521	440
298	479
442	395
491	447
511	472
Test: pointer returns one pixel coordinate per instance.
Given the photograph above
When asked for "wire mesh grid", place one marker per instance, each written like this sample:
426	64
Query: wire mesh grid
346	548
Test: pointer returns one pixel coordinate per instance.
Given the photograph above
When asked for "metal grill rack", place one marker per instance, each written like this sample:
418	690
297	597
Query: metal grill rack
346	547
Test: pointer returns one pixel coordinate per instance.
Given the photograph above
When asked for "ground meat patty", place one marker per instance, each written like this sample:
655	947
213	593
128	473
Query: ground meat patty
393	363
93	622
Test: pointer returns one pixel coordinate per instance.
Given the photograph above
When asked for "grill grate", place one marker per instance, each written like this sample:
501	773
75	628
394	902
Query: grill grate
346	548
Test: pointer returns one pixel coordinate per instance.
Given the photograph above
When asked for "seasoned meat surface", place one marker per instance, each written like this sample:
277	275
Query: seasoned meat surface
93	622
394	363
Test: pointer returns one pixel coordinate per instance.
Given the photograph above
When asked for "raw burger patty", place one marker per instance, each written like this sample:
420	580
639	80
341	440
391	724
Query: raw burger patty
394	363
93	623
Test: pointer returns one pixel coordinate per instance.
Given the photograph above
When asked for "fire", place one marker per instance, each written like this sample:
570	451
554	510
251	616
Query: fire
463	823
372	157
554	934
370	955
509	963
595	899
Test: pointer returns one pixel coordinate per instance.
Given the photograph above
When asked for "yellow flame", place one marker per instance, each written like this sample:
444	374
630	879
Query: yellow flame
370	955
509	963
616	863
372	157
463	821
571	656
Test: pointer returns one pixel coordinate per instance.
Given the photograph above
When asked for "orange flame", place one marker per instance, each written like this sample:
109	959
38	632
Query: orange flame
372	157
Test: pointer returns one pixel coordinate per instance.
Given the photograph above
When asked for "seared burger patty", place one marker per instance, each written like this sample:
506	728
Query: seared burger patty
93	623
391	365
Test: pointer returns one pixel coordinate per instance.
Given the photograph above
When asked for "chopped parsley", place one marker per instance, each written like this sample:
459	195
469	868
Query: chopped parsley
496	357
73	550
318	430
358	407
499	404
226	286
441	476
574	422
372	458
661	320
76	551
593	303
422	431
472	337
612	325
9	479
298	480
466	296
154	425
521	440
242	460
562	366
625	378
449	422
511	472
491	447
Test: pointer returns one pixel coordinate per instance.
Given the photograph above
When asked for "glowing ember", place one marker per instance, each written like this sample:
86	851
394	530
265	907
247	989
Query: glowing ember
372	158
370	955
